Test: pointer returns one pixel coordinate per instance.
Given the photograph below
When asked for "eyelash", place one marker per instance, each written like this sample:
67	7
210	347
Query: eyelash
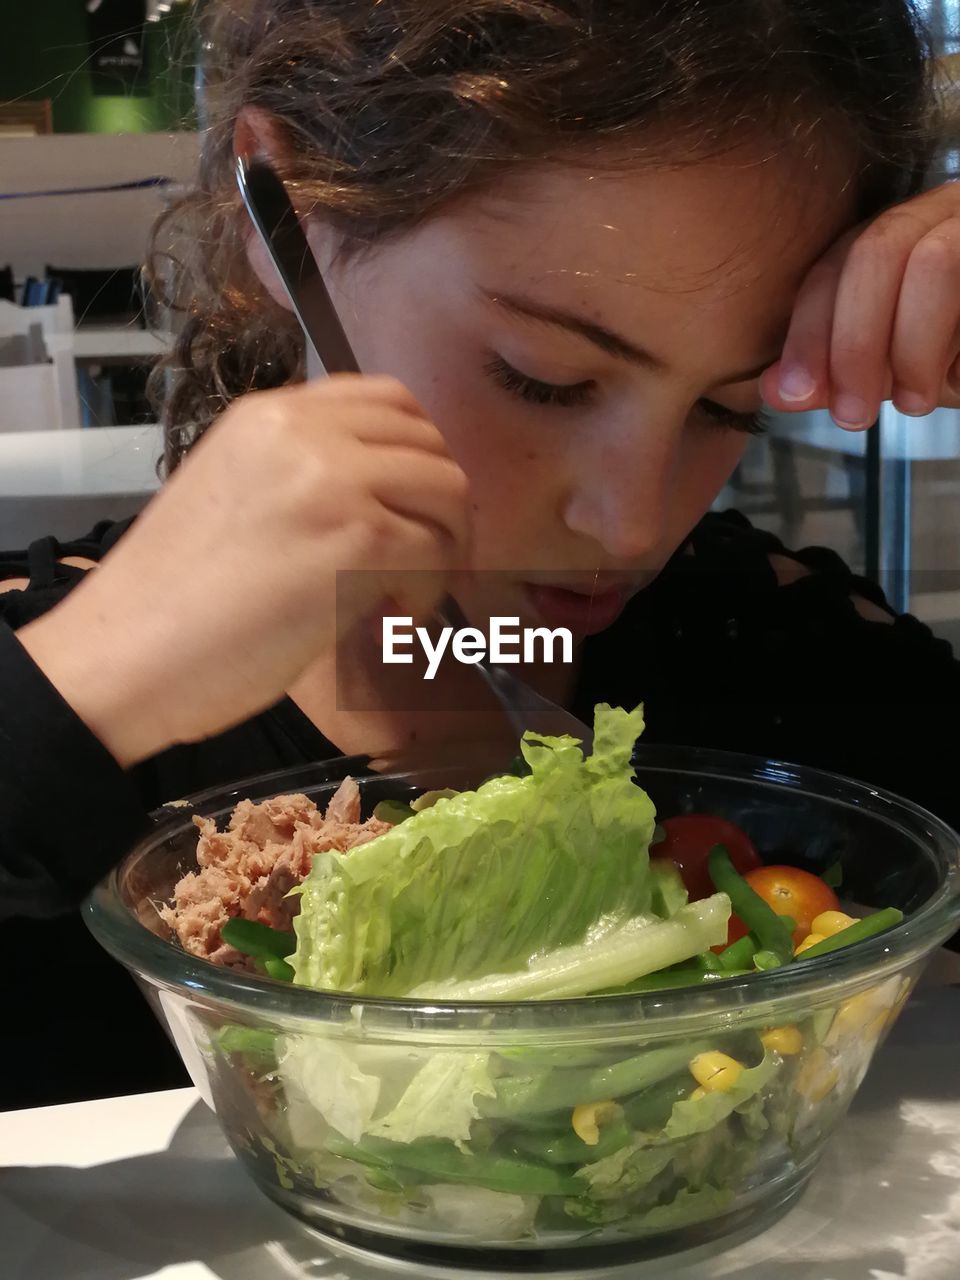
724	419
536	392
576	394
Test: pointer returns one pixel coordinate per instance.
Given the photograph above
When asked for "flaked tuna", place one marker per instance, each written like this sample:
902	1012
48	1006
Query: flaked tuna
249	869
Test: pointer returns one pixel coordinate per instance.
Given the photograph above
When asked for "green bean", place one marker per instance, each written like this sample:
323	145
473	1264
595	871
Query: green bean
651	1109
569	1148
279	969
647	1110
255	1042
517	1096
879	922
833	876
258	940
524	1059
688	975
764	960
759	917
739	954
393	811
444	1162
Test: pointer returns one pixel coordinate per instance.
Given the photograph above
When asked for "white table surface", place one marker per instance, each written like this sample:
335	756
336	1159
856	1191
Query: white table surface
139	1187
82	462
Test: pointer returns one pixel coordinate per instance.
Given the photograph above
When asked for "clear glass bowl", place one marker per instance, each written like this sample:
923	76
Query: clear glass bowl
275	1061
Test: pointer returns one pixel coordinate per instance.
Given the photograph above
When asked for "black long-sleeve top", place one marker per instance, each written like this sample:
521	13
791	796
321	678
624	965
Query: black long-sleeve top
720	653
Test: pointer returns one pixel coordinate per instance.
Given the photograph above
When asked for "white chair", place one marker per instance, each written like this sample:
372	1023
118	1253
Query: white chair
40	396
52	320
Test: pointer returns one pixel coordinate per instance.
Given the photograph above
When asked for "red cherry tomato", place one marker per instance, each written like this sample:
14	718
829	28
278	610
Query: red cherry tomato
690	837
791	892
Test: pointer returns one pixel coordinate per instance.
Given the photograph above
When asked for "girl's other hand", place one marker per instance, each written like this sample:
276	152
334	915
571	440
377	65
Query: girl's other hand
225	589
878	318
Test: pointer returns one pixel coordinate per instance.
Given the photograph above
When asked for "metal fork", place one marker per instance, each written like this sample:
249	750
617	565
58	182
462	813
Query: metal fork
523	706
274	217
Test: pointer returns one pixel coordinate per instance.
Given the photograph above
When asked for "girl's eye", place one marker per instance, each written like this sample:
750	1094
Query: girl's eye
718	415
566	395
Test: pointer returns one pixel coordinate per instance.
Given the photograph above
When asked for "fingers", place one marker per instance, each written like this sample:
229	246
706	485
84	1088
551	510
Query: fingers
863	320
362	388
430	490
801	377
925	331
382	410
391	428
878	316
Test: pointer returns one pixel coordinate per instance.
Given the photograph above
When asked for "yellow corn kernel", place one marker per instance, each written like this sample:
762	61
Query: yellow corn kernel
857	1013
715	1071
698	1093
810	940
783	1040
588	1117
817	1076
827	923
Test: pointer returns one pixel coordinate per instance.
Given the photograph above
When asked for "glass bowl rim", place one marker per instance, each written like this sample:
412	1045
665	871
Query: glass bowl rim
168	966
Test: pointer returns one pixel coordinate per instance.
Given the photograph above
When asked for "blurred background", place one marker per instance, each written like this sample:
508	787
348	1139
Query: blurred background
100	103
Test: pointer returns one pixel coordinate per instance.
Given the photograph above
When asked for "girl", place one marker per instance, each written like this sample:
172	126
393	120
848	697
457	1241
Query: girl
575	245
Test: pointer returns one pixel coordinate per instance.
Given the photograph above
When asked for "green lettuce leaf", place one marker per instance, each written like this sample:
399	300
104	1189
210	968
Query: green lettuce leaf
326	1085
688	1207
492	1216
669	891
626	1171
696	1115
481	881
609	958
440	1101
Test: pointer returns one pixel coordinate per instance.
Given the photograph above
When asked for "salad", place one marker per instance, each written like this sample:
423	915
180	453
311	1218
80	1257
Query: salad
554	882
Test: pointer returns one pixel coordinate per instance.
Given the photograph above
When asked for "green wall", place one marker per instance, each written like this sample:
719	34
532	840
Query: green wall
43	52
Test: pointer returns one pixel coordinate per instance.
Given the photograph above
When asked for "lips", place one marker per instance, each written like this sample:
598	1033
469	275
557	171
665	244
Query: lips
583	612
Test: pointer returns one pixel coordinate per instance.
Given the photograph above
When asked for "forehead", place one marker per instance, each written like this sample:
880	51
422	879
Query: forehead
721	242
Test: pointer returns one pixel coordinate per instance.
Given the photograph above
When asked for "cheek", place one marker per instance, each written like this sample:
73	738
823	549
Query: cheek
504	455
707	462
513	476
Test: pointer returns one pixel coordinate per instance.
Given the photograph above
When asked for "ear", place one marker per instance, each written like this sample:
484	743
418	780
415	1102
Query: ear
257	134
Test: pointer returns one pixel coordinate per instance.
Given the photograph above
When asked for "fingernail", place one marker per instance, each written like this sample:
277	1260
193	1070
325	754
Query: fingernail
851	411
796	383
911	403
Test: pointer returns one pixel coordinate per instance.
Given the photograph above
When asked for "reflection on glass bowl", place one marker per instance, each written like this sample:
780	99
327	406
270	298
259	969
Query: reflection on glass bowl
591	1145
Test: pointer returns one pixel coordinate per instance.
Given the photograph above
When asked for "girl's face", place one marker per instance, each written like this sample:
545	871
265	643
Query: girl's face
590	345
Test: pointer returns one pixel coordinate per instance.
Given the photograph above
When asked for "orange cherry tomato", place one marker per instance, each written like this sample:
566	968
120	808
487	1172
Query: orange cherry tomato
790	892
688	840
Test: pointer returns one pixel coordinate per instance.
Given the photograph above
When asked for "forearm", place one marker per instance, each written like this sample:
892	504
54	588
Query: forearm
68	812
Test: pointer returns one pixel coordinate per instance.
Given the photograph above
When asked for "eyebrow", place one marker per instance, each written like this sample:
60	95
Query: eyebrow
611	343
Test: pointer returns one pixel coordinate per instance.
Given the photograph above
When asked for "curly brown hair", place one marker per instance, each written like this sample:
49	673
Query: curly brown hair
392	109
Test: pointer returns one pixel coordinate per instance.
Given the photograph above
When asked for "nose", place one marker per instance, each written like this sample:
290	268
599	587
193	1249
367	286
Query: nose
621	491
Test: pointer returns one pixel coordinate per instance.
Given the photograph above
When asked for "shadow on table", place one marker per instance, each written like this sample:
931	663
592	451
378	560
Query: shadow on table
880	1186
